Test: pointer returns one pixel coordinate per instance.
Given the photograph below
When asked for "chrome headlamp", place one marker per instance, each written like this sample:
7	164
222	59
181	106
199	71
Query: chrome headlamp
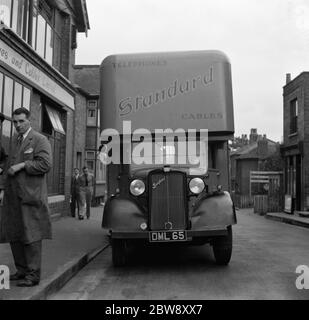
196	185
137	187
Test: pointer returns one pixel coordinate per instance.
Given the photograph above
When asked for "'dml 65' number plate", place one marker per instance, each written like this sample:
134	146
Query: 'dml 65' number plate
167	236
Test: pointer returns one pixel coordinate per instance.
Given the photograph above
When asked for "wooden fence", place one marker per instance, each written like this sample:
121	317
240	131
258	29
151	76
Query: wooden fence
271	200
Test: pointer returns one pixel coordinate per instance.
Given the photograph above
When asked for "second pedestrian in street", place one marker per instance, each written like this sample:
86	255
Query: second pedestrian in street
86	183
75	193
25	220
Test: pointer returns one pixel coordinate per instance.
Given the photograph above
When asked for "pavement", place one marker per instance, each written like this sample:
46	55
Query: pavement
75	243
300	219
289	218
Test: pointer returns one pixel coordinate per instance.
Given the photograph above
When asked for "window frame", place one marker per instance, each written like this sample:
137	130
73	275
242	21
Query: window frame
3	94
294	112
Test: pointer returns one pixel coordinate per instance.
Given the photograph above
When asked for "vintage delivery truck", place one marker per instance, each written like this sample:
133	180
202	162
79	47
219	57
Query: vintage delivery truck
166	119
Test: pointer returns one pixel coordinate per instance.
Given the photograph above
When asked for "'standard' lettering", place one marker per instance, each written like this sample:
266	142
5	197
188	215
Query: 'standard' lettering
134	104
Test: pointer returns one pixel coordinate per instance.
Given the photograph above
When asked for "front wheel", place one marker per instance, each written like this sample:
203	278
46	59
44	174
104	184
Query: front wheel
119	252
222	248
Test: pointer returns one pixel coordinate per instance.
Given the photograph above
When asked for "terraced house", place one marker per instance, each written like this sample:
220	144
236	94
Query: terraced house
37	54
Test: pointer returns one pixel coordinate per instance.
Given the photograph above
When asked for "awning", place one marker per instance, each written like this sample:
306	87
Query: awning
55	120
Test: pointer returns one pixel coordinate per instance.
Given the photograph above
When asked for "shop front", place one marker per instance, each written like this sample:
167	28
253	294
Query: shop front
26	80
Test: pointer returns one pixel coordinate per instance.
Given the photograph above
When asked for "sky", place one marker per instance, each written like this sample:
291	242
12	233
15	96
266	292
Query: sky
264	39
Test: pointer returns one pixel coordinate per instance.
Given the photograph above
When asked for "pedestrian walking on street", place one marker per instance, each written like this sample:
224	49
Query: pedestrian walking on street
86	182
75	193
25	220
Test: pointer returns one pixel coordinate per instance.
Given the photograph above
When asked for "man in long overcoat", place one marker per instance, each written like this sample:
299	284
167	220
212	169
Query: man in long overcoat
75	193
25	218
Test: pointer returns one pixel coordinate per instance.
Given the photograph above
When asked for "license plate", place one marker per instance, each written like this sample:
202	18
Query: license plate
167	236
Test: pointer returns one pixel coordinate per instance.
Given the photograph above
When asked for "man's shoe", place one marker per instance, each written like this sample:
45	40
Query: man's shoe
27	283
17	276
81	218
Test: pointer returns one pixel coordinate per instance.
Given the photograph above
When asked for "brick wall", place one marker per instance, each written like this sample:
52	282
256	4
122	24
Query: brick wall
66	46
80	126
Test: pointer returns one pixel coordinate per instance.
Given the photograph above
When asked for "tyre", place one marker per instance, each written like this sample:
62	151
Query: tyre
222	248
119	252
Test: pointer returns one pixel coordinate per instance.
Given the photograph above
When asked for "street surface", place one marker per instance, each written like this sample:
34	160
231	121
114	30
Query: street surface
265	256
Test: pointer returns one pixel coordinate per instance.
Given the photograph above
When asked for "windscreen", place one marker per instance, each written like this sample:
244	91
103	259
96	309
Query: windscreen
193	157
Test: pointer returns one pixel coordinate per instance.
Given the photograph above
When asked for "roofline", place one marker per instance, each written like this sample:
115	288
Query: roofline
85	92
297	77
81	66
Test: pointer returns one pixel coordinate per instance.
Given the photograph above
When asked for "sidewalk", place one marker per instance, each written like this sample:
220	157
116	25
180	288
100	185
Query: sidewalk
288	218
74	244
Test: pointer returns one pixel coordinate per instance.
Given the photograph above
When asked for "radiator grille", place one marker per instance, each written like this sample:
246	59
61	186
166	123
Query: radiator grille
167	200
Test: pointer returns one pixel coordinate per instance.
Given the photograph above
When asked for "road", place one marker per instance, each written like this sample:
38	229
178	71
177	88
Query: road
265	256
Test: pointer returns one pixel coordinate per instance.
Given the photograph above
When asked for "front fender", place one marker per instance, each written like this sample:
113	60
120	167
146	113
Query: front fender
216	211
122	214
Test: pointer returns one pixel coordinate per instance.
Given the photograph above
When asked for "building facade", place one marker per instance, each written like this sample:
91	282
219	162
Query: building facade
295	148
253	154
37	53
87	80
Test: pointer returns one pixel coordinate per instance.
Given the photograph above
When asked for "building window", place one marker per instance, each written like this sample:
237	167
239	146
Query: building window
13	95
42	31
90	165
79	160
293	116
6	135
91	116
53	129
90	160
15	14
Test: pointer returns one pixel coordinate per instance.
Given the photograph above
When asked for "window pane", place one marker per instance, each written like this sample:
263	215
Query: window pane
8	96
1	90
57	52
18	16
49	44
90	155
26	99
34	22
5	12
59	123
6	135
90	165
17	95
40	41
91	118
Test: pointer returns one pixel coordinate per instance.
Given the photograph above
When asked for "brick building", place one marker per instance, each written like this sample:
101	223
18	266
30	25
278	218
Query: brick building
295	148
250	157
37	53
87	80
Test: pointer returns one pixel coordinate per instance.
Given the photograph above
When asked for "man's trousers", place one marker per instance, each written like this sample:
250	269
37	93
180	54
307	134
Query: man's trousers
27	258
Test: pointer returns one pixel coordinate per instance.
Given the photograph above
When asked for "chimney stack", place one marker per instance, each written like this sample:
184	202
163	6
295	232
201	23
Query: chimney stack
262	147
253	136
288	78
